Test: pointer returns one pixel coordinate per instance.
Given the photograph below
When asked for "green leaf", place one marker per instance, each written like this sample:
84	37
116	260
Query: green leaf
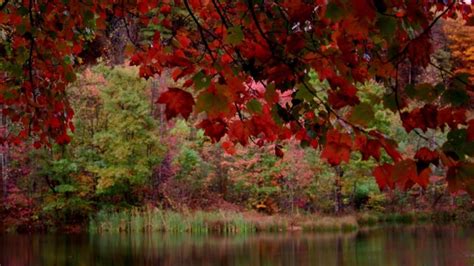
89	19
276	116
21	28
334	12
424	91
212	103
201	81
254	106
387	26
65	188
270	93
456	96
389	102
234	35
362	114
457	142
304	94
70	76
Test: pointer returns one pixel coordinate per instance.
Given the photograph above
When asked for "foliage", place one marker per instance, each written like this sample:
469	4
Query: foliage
119	142
461	44
246	66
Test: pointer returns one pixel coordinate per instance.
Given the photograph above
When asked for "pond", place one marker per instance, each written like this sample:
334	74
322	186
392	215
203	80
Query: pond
407	245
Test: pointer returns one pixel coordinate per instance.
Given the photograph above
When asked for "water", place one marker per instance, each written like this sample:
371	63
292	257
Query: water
405	246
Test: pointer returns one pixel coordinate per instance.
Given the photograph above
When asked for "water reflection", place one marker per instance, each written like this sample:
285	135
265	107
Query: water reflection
385	246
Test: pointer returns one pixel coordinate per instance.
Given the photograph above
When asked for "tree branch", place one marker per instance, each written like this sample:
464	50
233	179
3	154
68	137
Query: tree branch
425	31
200	29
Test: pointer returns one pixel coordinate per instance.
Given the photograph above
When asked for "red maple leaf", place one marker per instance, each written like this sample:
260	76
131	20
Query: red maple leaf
383	176
337	148
426	155
177	102
239	132
368	147
214	128
461	177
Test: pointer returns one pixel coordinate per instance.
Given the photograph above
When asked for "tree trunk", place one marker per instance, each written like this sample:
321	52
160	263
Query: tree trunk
4	156
338	190
221	173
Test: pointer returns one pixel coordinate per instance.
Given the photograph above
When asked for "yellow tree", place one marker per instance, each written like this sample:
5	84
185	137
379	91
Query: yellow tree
461	43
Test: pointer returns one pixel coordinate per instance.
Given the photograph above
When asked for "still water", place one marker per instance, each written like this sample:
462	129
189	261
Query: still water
406	246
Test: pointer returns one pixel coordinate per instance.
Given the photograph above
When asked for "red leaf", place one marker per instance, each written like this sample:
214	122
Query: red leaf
368	147
461	177
37	144
346	95
215	128
295	43
383	176
423	179
451	116
364	9
337	148
278	151
420	49
195	4
165	9
239	132
183	40
177	102
422	118
470	130
229	147
63	139
403	172
391	150
143	6
54	122
426	155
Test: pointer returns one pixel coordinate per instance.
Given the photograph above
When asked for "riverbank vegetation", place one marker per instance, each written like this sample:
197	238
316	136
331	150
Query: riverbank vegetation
124	155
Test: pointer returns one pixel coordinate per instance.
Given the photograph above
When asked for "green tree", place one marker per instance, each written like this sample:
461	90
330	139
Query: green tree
117	138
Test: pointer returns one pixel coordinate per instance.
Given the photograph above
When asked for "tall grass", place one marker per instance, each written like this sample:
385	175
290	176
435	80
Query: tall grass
157	220
224	222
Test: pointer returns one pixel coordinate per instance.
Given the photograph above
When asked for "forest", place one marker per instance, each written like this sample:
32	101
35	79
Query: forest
235	116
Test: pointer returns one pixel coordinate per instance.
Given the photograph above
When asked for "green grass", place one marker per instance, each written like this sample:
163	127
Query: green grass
150	220
199	222
224	222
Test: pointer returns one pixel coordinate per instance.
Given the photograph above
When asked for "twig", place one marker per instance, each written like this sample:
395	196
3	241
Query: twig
200	29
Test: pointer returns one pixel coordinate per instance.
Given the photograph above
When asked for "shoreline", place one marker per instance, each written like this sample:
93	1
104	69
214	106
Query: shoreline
226	222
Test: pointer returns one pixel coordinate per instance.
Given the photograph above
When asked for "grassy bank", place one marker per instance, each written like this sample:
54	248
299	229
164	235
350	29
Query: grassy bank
157	220
153	220
438	217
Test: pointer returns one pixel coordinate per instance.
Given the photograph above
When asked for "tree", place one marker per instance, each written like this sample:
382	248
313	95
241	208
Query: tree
461	44
116	138
246	66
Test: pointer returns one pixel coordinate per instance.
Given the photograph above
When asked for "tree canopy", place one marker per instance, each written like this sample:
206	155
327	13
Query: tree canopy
244	69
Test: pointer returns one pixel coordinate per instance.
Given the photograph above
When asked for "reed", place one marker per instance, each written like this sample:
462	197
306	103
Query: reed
150	220
225	222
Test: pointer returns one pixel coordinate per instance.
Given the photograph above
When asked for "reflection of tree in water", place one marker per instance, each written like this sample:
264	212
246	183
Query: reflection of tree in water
415	245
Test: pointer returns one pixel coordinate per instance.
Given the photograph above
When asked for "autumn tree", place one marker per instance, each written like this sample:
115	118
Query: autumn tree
245	70
116	139
460	39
